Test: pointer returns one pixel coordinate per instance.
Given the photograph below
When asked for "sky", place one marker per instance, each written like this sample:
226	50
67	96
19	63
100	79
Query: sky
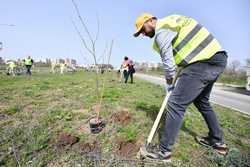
44	29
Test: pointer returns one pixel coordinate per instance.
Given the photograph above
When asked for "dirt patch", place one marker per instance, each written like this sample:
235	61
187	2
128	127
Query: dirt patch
3	107
127	149
122	117
83	128
112	80
81	110
65	139
89	147
199	158
28	107
52	164
3	116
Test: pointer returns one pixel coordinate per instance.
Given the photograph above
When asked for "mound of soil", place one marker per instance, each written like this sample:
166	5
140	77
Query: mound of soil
127	149
89	147
66	139
122	117
83	128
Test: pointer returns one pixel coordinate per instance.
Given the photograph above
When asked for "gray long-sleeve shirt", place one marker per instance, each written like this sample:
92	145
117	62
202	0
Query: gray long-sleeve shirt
163	39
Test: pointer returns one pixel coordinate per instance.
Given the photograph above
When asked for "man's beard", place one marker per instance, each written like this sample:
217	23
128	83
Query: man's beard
151	34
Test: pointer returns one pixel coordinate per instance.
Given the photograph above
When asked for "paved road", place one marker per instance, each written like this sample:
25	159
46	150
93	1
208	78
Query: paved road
221	97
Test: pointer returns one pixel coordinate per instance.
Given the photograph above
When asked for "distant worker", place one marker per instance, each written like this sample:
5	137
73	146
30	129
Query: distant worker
125	67
181	41
11	67
62	67
28	62
128	69
53	66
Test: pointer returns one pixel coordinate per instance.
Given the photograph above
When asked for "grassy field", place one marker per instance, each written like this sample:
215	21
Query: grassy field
44	122
240	80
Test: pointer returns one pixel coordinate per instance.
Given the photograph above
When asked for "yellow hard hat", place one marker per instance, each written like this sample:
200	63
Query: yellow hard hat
140	21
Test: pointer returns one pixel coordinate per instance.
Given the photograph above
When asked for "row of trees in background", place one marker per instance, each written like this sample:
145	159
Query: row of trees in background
235	72
236	68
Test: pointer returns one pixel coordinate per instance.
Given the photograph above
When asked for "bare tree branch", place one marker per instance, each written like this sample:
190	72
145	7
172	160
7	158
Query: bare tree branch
84	57
86	30
81	20
103	53
82	39
103	85
92	50
110	50
98	28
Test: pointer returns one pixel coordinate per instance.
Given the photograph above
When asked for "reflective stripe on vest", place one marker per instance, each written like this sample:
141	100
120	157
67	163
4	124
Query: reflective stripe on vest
193	42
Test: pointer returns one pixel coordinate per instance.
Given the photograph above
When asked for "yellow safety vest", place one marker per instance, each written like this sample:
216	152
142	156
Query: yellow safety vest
62	65
12	65
193	42
28	61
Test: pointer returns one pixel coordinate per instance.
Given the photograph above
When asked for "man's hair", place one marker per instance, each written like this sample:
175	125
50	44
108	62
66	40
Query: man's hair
153	18
125	58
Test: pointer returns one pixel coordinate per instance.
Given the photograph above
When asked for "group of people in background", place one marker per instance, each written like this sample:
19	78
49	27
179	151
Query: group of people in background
62	66
12	66
127	70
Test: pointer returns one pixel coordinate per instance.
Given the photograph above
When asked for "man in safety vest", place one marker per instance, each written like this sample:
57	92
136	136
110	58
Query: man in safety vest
28	62
181	41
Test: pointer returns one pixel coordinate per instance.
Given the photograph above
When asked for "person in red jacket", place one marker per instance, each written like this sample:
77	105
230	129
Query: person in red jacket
128	69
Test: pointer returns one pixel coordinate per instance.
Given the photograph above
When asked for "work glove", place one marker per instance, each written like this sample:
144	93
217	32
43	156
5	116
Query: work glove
168	88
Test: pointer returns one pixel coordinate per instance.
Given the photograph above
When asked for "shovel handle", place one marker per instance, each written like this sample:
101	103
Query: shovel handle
158	118
160	113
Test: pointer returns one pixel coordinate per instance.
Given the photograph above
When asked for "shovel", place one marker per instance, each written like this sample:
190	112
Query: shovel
154	128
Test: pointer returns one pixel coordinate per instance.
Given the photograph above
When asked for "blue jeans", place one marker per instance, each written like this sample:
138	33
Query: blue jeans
194	86
128	74
28	69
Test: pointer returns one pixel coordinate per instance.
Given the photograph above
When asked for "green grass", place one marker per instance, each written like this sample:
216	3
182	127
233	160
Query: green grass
35	110
129	133
12	110
240	79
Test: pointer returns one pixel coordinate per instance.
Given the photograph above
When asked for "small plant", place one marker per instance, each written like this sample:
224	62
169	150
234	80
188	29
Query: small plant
29	92
234	158
129	133
59	114
13	109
